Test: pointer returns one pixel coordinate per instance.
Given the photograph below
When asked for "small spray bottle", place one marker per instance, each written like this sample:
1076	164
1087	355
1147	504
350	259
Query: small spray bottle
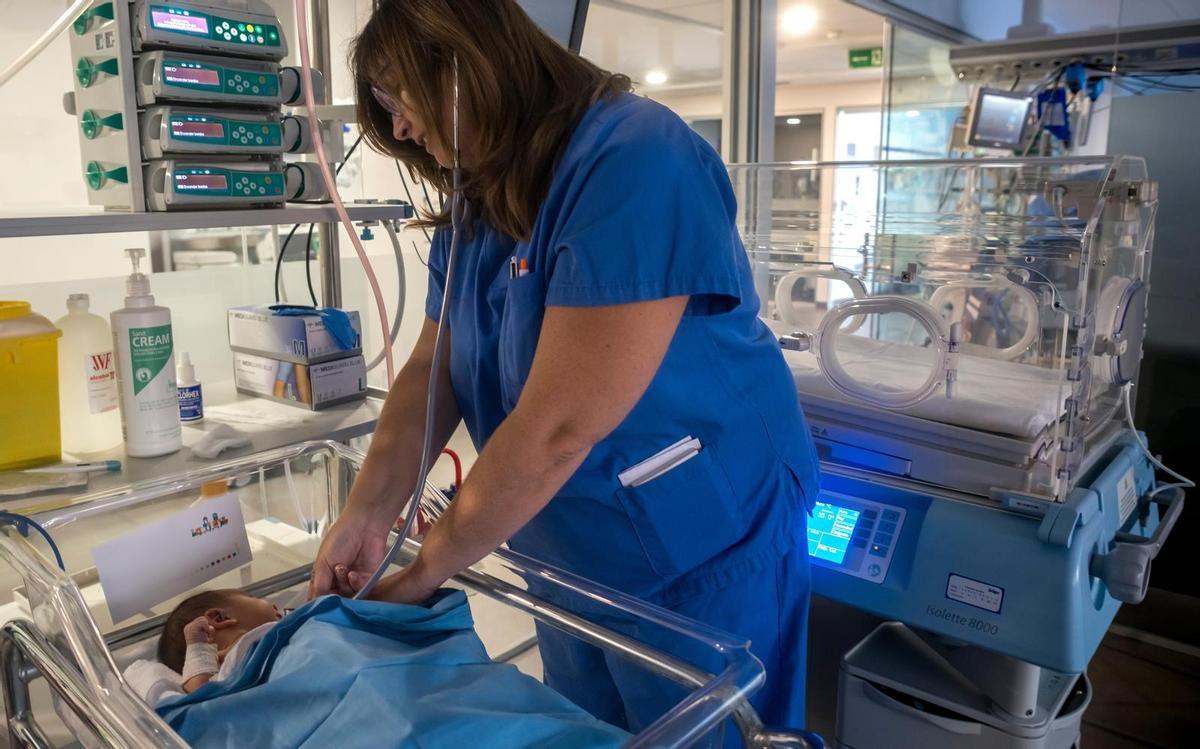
191	398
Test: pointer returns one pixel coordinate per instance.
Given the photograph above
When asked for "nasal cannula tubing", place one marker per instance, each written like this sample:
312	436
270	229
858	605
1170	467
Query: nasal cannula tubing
310	101
414	504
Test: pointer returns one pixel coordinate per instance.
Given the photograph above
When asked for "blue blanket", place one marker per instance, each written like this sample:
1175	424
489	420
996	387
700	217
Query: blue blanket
343	673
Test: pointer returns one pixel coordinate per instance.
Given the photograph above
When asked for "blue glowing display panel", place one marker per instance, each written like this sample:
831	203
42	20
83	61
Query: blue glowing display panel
829	531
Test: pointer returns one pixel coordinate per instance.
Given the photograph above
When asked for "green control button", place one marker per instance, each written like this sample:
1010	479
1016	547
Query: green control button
86	71
96	175
92	123
84	22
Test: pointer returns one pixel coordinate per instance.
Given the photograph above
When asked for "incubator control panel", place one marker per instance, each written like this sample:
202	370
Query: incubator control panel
854	536
204	28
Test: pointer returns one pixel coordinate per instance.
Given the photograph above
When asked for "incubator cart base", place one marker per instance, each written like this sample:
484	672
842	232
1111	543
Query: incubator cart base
898	690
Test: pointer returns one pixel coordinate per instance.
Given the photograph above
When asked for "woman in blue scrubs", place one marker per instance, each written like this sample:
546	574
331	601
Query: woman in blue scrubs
629	325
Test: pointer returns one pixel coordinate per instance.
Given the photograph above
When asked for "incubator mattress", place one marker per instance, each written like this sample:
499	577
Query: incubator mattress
1009	398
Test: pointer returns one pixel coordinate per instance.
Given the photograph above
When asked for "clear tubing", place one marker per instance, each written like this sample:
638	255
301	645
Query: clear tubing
1184	482
310	101
401	294
69	15
414	504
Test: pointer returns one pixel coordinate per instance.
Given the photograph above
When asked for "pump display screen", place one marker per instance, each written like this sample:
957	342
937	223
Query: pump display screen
829	531
201	182
182	21
192	76
186	129
999	120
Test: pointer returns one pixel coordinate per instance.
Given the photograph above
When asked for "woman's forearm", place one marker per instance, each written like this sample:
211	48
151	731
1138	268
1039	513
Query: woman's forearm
519	471
591	368
389	475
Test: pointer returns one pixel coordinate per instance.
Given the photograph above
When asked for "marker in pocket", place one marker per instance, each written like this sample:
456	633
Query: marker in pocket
524	270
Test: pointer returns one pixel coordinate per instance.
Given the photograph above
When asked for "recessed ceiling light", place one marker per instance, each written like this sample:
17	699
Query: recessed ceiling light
793	120
657	77
799	20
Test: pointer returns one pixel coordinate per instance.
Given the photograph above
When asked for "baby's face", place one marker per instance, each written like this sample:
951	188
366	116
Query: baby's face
251	612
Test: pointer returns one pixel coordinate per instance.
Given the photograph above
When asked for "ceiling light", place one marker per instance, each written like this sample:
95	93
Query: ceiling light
793	120
657	77
799	20
912	113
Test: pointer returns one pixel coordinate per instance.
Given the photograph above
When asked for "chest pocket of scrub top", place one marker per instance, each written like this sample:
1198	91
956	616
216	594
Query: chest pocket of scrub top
520	326
686	516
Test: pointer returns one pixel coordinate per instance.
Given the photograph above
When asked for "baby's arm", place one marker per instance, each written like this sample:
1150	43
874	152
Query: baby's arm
200	663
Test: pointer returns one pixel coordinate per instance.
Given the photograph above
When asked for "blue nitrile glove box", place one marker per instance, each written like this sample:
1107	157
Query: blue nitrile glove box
300	339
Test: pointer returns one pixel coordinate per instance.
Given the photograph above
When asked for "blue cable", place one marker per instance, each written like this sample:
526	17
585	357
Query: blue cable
24	524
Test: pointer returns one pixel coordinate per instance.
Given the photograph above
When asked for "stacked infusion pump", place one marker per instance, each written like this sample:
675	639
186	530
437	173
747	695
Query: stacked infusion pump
180	106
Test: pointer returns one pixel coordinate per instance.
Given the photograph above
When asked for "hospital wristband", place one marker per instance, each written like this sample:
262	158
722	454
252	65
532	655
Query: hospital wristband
201	660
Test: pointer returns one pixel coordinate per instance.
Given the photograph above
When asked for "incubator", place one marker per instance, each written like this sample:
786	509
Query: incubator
965	324
59	628
964	336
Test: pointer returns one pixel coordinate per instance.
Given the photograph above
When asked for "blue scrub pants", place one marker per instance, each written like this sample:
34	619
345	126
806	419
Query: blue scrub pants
769	608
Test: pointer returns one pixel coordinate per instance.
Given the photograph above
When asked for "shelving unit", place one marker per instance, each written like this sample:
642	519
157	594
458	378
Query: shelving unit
91	220
259	422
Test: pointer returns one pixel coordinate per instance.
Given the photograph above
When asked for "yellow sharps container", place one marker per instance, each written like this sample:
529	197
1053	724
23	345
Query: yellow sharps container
29	427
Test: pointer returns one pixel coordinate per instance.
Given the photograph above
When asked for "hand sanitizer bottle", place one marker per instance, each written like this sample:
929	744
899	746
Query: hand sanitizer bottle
145	352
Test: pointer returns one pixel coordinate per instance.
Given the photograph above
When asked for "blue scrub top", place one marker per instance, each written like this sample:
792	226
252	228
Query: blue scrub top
641	208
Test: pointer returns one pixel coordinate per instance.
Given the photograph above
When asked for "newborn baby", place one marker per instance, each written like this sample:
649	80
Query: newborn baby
203	630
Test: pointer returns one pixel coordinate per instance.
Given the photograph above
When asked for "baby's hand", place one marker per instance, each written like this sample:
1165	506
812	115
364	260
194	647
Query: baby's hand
199	631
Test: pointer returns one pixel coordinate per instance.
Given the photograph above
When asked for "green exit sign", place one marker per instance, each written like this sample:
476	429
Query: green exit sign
872	57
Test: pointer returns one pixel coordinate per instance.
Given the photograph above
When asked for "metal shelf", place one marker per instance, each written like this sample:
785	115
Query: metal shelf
98	221
340	423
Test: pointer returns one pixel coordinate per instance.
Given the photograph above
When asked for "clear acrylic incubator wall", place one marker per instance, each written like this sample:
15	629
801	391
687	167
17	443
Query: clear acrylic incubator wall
964	323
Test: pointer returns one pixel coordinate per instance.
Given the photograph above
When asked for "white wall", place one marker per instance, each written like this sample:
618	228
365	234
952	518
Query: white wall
39	156
39	153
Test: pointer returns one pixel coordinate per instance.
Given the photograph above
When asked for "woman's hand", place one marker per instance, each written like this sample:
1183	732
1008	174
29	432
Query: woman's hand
349	554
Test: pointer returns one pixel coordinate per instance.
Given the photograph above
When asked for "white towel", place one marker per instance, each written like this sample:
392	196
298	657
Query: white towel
991	395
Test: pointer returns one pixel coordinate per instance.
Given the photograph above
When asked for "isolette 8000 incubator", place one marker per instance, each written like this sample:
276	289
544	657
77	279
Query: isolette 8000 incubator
964	336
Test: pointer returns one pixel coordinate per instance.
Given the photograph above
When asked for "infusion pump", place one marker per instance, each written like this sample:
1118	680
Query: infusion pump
164	83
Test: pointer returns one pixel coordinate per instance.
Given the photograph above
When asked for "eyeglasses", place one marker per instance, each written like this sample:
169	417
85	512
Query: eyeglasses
385	100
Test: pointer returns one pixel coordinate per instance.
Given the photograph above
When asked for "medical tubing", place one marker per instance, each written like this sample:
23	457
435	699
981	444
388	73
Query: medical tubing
310	101
458	474
308	246
414	504
23	522
401	292
17	65
1185	483
312	294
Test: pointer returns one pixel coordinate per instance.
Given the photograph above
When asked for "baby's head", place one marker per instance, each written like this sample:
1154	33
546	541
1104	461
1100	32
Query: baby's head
231	613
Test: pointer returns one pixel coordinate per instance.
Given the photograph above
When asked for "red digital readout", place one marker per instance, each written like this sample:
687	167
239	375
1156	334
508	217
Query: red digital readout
191	76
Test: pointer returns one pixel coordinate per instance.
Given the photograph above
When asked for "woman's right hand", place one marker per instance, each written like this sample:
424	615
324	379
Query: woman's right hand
349	554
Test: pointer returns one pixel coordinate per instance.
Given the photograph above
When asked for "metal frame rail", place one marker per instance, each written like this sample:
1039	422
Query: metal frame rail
26	654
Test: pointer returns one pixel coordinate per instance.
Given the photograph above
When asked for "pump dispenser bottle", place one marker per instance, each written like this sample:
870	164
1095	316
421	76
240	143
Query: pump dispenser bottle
144	345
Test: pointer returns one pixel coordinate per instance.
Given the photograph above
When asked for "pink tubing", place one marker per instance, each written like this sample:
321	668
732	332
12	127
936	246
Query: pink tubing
310	100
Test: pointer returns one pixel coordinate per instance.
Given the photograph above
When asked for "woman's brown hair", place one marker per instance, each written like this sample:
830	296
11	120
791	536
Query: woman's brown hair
523	93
